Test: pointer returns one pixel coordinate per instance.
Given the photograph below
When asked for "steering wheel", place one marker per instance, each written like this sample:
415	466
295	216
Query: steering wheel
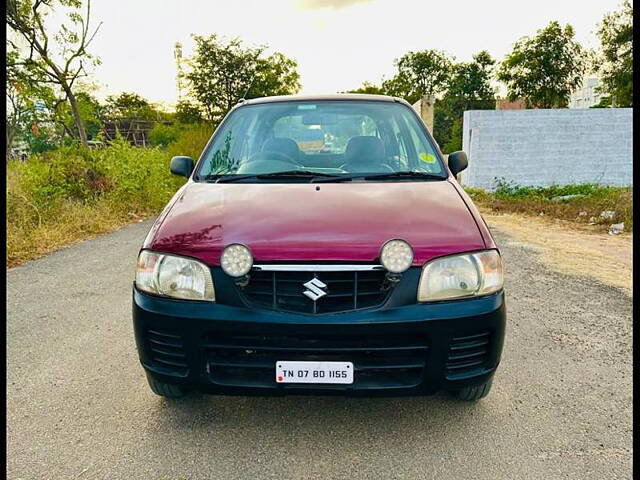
346	168
267	162
272	156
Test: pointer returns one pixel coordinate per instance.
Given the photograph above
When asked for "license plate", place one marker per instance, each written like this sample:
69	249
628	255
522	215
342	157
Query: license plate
314	372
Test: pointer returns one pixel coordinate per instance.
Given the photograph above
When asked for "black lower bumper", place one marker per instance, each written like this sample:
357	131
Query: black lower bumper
409	350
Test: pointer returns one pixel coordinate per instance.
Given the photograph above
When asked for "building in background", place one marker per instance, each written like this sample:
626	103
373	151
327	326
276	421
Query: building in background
586	96
506	104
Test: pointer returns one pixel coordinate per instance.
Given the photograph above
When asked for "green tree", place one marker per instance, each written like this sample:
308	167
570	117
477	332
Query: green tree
130	105
223	73
470	84
91	111
369	88
17	105
469	88
605	102
188	112
545	69
615	64
31	105
402	87
455	137
423	73
274	75
418	74
60	59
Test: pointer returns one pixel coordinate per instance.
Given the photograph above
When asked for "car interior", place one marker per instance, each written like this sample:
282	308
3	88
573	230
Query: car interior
362	154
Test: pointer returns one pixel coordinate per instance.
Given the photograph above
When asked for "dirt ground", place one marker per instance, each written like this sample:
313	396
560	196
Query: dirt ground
572	249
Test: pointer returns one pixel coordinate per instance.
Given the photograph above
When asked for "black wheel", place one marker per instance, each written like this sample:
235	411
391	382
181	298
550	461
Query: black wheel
472	394
165	389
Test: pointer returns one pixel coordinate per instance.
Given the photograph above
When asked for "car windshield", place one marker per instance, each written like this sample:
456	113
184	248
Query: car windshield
341	139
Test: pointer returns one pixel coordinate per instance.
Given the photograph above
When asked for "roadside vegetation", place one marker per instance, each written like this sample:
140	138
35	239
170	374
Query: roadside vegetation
586	204
62	196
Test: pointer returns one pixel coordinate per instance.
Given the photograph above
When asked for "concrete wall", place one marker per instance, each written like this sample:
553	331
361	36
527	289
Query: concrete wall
550	146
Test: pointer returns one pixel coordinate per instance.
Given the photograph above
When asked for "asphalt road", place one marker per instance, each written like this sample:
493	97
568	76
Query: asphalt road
79	406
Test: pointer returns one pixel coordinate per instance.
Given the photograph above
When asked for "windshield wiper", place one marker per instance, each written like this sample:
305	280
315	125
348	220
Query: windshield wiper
266	176
321	177
381	176
407	174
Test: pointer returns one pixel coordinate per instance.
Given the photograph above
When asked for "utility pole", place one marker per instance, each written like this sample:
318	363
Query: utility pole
424	108
177	55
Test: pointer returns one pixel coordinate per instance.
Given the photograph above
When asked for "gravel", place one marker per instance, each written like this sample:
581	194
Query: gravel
79	407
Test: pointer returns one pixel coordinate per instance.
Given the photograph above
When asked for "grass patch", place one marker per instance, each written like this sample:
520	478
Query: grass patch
72	193
582	204
74	221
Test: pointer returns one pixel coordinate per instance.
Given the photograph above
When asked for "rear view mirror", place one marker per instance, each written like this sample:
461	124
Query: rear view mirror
457	162
314	118
182	166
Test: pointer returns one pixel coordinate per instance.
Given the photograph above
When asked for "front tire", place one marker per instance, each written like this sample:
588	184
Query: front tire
474	393
166	390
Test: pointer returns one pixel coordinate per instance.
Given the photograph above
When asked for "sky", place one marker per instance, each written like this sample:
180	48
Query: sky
338	44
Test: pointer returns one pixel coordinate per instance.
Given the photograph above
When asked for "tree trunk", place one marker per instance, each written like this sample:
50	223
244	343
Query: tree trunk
82	133
10	135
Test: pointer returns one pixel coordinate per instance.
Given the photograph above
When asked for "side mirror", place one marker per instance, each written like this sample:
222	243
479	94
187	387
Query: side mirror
182	166
457	162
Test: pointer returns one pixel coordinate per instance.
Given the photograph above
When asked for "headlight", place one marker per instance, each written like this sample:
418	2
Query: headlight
236	260
174	276
471	274
396	256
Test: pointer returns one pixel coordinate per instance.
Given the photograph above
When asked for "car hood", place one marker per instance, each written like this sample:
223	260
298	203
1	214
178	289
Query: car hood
312	222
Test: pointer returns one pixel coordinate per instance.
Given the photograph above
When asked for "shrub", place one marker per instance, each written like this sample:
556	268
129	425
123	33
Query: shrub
162	135
192	140
506	189
70	193
64	195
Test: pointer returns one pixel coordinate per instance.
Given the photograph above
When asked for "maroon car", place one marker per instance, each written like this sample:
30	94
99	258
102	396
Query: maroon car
321	245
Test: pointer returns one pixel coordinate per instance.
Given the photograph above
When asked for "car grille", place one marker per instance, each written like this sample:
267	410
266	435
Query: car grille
467	355
167	352
381	361
345	290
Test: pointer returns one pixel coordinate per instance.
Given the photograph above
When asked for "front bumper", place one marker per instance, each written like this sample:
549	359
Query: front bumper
407	350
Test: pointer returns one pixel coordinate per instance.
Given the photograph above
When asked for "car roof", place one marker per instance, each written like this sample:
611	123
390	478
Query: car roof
320	98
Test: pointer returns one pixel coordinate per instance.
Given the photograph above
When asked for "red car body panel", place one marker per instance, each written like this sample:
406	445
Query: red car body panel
482	225
347	221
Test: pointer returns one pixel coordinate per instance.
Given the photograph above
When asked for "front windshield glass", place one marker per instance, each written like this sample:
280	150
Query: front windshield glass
325	137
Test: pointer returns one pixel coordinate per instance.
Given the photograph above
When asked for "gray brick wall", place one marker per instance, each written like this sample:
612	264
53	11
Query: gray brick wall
547	147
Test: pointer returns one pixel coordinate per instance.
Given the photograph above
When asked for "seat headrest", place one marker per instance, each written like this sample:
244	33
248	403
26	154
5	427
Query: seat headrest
365	151
283	145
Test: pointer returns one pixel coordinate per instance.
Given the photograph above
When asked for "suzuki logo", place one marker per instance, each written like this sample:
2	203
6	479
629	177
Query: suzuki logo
315	287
